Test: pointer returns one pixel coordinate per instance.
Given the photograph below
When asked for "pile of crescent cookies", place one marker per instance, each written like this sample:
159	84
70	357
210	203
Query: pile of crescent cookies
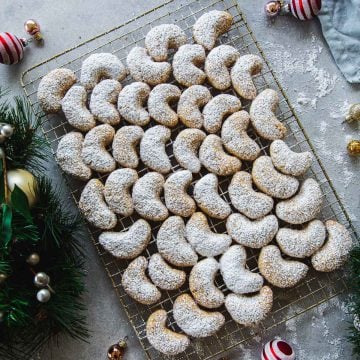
116	127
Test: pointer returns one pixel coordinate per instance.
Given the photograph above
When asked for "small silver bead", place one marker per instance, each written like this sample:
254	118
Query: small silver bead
7	130
43	295
41	279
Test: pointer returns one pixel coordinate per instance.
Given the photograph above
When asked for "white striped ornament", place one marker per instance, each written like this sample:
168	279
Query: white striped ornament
277	350
11	49
305	9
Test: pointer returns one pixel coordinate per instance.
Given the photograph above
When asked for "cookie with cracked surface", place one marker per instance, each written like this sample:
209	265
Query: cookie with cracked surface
263	118
137	285
172	244
127	244
203	240
101	66
53	87
208	199
209	26
270	181
215	159
190	103
152	149
235	138
194	321
279	272
163	339
94	208
252	233
217	108
187	64
94	152
68	156
244	198
163	37
143	68
218	62
146	197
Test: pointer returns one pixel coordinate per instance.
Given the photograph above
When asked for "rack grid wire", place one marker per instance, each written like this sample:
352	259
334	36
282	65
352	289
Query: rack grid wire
314	290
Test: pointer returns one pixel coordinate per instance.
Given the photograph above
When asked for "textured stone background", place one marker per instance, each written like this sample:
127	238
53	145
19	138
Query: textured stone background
301	59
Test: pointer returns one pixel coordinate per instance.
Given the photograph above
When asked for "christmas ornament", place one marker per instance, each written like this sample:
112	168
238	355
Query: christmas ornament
3	278
356	322
2	316
25	181
277	350
41	279
116	351
301	9
43	295
33	259
32	27
353	114
353	147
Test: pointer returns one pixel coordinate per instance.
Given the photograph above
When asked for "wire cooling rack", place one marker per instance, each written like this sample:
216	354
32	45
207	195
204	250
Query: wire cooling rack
314	290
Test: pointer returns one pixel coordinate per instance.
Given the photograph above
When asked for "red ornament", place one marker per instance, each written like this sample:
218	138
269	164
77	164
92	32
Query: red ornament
11	49
277	350
305	9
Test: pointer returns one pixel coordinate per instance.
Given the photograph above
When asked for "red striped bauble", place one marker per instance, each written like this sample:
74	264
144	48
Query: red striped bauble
305	9
11	49
277	350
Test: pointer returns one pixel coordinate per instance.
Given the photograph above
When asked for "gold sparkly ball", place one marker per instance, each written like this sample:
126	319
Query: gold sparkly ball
25	181
3	277
353	147
33	259
354	113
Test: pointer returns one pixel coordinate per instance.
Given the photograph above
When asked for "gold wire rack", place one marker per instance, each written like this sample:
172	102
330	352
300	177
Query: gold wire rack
314	290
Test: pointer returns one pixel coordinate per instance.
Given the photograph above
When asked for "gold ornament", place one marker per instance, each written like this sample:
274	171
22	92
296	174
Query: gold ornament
33	259
354	113
25	181
32	27
353	147
3	278
117	351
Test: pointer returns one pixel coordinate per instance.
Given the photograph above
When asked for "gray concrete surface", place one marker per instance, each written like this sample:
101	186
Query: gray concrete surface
302	60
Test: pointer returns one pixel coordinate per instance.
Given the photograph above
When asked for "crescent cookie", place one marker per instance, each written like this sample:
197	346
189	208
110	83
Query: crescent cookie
241	75
252	233
204	241
235	138
263	118
94	153
244	198
75	110
304	206
143	68
162	339
163	275
208	199
301	243
177	199
288	161
117	191
172	244
194	321
163	37
137	285
236	276
336	250
52	88
146	196
160	98
94	208
215	159
103	101
127	244
124	145
209	26
186	65
279	272
101	66
270	181
190	102
217	65
202	284
250	310
217	108
185	149
68	156
131	103
152	149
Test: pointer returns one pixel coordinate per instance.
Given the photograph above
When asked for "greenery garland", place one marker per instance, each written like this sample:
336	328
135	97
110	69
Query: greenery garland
48	229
